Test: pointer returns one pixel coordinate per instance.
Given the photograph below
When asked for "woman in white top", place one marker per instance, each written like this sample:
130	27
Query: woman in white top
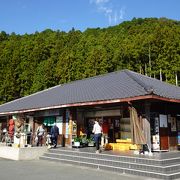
97	130
40	134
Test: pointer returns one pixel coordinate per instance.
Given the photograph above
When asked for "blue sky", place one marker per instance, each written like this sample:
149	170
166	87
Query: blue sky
29	16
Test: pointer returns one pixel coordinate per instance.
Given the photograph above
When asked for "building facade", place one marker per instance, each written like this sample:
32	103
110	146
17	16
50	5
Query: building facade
110	98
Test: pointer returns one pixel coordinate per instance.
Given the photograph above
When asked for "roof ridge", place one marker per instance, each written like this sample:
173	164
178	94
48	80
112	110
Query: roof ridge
146	87
92	77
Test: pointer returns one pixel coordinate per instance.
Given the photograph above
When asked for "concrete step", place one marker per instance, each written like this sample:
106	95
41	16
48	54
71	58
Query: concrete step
120	164
166	160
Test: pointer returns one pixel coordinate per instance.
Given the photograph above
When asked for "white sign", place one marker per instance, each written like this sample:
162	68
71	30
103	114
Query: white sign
156	142
67	130
163	120
156	125
59	123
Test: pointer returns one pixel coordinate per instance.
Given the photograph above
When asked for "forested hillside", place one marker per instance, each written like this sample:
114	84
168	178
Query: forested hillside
33	62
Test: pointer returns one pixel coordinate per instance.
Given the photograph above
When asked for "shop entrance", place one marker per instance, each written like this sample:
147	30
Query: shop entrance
159	132
110	126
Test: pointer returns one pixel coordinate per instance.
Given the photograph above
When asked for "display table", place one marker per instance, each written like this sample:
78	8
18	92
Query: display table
123	144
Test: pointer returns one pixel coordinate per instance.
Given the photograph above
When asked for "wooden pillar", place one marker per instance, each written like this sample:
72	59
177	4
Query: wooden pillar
70	128
63	136
146	124
72	120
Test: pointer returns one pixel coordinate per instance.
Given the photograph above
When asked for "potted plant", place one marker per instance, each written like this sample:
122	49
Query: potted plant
84	141
77	141
90	142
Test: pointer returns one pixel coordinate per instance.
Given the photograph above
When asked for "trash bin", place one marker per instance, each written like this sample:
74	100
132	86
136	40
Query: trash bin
63	141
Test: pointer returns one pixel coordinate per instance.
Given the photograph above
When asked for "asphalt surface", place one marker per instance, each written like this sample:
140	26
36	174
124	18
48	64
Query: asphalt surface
46	170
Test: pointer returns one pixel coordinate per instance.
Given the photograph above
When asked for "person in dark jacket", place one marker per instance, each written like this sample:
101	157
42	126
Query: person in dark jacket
54	135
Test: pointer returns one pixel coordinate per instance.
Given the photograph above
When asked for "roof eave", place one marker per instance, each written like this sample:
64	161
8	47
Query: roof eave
91	103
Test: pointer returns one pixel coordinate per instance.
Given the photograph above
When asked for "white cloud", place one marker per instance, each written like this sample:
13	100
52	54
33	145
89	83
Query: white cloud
116	16
110	19
122	13
113	15
105	10
99	1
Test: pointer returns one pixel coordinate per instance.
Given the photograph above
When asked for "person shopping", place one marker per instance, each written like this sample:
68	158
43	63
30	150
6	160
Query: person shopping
54	135
97	130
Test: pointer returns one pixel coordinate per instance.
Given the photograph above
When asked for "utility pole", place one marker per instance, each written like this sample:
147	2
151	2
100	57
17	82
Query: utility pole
149	60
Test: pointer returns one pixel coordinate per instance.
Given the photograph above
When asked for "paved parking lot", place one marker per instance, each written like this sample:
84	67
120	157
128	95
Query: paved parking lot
45	170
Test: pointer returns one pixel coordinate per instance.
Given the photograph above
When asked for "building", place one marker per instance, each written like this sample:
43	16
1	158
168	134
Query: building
129	104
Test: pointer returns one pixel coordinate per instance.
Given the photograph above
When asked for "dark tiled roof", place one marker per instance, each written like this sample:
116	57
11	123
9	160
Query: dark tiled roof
111	86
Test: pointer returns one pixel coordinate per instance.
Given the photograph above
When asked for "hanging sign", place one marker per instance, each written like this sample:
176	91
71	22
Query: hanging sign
173	124
67	122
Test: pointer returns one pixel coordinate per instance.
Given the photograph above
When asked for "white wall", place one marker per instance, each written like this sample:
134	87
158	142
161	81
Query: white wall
115	112
27	153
